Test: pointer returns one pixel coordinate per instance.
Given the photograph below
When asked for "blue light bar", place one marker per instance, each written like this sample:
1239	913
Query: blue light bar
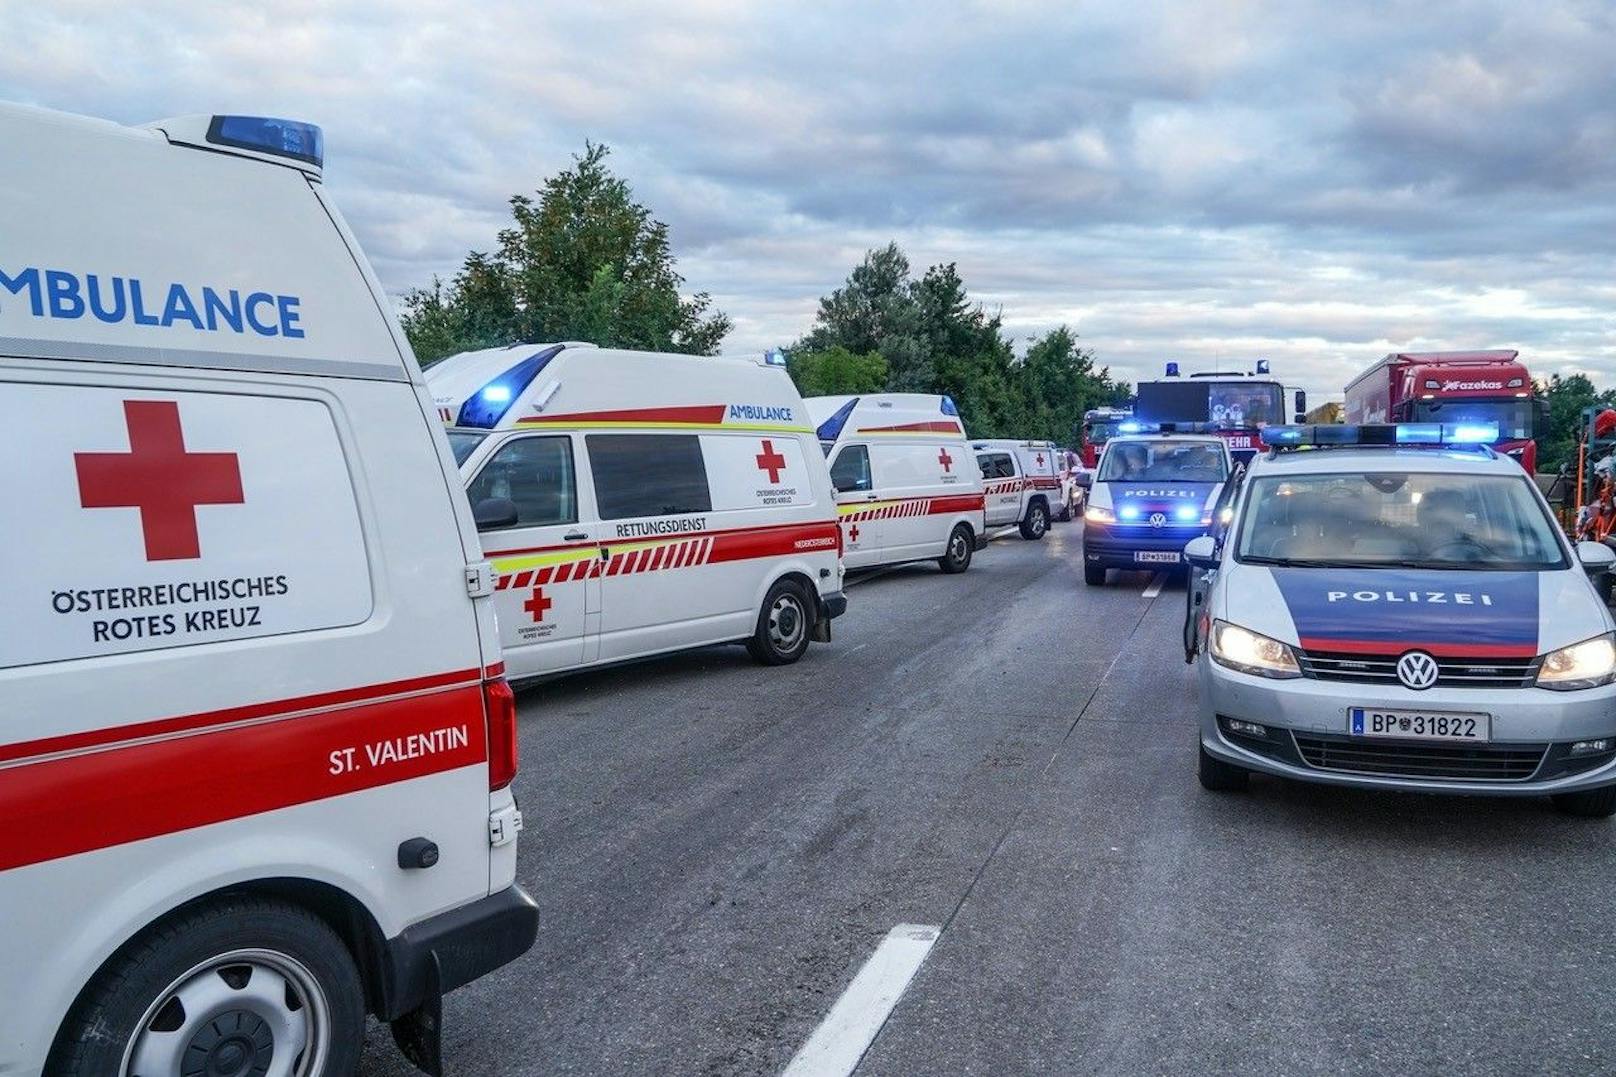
1262	366
831	428
1131	428
1471	433
488	405
948	405
1172	370
775	357
1319	435
264	134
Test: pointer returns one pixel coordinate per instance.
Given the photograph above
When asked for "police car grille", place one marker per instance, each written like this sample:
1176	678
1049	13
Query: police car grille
1485	763
1451	672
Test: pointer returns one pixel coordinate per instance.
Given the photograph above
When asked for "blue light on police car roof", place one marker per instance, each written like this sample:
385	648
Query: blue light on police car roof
1131	428
1419	433
1128	512
1471	433
1186	512
265	134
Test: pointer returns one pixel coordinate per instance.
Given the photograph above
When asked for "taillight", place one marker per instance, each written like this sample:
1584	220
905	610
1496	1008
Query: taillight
500	704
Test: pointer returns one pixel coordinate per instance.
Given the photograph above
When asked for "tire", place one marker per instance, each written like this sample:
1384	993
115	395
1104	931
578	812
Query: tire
1588	804
1094	575
265	971
1220	777
784	624
1036	525
961	544
1066	512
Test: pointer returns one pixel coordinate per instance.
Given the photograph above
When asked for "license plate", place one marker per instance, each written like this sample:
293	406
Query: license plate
1419	725
1152	557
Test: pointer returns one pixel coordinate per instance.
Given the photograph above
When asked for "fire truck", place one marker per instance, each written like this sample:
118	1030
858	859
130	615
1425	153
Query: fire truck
1233	405
1099	424
1482	387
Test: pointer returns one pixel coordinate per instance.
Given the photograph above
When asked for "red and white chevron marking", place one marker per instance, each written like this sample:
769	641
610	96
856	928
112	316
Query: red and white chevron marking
686	553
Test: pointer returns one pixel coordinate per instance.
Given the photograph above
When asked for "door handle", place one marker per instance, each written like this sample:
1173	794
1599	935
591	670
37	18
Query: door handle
574	536
872	497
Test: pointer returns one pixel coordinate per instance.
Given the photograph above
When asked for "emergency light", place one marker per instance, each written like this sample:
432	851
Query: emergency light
265	134
1322	435
948	405
831	428
1172	370
775	357
1262	366
488	405
1135	426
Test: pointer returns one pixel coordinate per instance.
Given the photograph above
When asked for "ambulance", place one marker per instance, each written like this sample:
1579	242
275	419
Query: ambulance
907	484
1021	484
256	747
635	503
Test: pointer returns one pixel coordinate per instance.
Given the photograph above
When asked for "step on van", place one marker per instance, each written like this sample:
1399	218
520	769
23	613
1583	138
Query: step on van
635	503
907	484
1021	484
256	749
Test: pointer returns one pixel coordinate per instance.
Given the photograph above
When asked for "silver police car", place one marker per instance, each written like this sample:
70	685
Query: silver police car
1390	607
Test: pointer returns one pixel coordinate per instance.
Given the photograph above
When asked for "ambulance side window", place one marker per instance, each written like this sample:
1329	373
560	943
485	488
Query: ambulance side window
648	475
851	471
534	474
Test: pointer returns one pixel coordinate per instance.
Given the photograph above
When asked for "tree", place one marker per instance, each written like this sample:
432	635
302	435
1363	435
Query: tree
1567	397
583	261
1061	384
837	372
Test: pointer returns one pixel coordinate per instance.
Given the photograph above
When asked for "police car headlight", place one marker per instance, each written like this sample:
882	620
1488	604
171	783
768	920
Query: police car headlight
1249	652
1099	514
1588	664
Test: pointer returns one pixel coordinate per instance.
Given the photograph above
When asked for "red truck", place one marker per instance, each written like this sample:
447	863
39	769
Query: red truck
1454	387
1098	426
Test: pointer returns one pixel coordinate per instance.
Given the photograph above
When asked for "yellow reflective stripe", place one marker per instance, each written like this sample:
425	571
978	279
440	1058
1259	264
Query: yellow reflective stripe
862	506
540	560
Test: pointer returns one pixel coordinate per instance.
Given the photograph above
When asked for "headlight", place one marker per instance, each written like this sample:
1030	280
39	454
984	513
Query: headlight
1245	650
1588	664
1099	514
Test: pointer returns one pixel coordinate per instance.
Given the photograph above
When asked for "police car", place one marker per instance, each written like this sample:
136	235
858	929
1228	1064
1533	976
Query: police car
1154	489
1395	607
256	747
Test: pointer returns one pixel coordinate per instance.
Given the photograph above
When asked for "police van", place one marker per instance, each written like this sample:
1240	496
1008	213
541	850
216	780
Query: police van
256	747
907	484
634	503
1155	488
1395	607
1021	484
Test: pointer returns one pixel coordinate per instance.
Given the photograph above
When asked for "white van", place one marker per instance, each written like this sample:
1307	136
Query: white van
634	503
1021	484
907	484
255	746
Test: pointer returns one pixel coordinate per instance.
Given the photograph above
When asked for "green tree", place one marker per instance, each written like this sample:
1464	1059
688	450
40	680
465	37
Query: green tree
837	372
1567	397
582	261
1062	383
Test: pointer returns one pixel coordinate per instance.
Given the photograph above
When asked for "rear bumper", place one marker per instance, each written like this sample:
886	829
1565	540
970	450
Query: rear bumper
453	948
832	605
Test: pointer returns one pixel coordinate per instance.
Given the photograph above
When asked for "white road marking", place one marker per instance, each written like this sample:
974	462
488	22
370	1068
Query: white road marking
1003	531
837	1045
1156	585
866	575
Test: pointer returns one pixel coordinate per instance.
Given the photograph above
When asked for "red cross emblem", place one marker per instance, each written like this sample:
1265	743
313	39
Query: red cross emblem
944	459
771	461
852	533
158	477
1040	459
537	605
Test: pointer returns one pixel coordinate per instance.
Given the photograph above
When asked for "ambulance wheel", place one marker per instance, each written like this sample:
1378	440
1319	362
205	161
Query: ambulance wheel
783	626
1589	804
1036	524
1220	777
957	555
246	986
1094	575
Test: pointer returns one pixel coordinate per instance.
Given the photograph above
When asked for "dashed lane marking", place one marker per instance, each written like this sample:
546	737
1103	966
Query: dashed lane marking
1156	584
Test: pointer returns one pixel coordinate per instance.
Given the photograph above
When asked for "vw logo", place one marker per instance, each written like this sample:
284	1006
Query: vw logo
1417	670
1158	519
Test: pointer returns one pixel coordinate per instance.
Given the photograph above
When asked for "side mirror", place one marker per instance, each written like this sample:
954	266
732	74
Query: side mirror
1084	479
493	513
1301	406
1596	557
1202	552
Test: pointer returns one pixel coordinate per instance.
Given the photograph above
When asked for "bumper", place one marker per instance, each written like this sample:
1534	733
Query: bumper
832	606
1114	547
450	950
1532	730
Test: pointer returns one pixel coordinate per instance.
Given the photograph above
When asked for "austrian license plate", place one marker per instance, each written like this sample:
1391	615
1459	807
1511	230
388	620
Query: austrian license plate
1154	557
1420	725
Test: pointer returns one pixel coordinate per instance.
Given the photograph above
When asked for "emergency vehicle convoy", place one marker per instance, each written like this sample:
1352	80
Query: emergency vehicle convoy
1235	406
1021	484
1454	388
1395	607
256	747
634	503
1150	495
907	484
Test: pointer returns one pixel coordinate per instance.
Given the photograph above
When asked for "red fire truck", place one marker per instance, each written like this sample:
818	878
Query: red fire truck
1098	426
1454	387
1236	405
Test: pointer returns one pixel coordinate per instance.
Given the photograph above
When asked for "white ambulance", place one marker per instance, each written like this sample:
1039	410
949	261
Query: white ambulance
907	484
634	503
1021	484
255	745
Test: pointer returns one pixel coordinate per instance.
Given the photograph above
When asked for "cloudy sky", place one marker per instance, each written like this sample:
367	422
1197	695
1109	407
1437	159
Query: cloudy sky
1316	183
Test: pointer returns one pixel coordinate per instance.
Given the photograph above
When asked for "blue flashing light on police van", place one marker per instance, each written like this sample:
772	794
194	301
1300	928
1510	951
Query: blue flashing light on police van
1128	512
265	134
1186	512
488	405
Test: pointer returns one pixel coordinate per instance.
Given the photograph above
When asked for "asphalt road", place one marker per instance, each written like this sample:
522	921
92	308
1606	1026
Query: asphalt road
717	848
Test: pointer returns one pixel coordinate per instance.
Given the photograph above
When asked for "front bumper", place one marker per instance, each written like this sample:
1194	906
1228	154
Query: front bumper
451	949
1309	738
1114	545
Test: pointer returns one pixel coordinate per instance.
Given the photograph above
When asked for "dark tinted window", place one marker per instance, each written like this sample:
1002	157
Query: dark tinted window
996	465
851	471
648	475
536	475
